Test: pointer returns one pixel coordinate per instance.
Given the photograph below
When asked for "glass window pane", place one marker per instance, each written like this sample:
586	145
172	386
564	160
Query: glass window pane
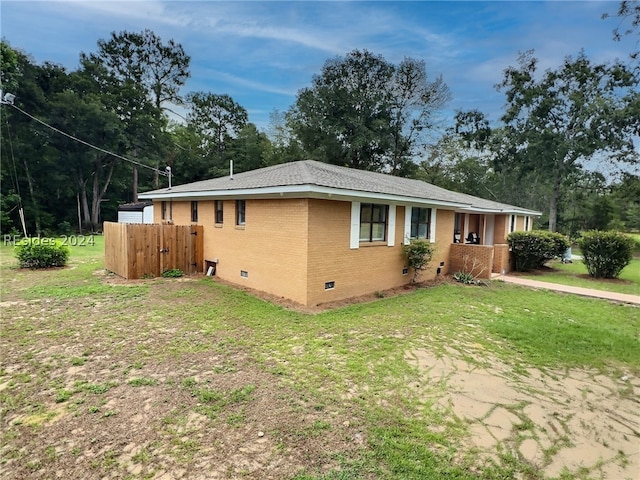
414	230
422	233
414	214
365	229
365	212
423	215
379	213
378	231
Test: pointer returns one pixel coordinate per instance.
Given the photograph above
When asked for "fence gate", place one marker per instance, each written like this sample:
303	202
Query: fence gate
138	250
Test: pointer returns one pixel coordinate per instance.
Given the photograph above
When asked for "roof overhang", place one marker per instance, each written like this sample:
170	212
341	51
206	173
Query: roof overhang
325	193
297	191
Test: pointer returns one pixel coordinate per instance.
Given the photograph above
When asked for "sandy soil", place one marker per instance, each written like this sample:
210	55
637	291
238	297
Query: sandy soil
557	421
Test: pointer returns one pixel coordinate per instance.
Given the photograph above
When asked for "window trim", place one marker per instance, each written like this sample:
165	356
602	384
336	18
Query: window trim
241	213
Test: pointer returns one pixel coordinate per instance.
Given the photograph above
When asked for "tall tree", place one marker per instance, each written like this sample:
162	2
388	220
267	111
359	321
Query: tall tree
249	149
364	112
150	74
578	112
344	117
161	69
81	112
217	119
414	103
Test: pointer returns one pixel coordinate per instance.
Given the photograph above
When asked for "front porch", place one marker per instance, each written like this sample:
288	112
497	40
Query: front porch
480	243
479	260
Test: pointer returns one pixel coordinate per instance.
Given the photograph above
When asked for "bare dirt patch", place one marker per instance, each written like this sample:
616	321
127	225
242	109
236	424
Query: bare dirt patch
557	421
104	388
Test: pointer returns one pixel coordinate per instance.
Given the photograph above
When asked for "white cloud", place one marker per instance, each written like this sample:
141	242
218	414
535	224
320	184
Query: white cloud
150	11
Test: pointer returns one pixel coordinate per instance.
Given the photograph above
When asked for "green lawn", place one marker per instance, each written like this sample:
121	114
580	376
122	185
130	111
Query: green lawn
575	274
172	337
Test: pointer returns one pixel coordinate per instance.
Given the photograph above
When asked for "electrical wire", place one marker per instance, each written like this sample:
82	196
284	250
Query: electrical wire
14	171
160	172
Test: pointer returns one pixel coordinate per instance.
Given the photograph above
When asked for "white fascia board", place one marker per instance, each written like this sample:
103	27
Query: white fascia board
310	191
510	211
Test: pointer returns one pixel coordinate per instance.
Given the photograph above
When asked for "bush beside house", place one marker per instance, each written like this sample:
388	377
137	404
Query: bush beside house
532	249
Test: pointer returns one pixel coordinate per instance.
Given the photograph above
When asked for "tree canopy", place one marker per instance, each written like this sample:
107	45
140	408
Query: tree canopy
364	112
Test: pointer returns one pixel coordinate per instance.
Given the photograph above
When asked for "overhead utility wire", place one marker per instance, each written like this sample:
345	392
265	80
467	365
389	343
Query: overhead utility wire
161	172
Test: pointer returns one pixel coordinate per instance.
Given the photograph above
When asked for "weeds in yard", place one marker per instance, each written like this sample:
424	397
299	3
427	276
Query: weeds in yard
142	382
348	363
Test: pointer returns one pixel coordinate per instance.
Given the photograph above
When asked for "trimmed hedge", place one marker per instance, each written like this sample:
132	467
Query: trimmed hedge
606	253
41	253
532	249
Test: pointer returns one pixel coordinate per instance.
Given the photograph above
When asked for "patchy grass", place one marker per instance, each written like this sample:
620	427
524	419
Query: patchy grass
128	379
575	274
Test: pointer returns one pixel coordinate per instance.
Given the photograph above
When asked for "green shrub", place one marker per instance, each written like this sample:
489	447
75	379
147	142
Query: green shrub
605	253
532	249
419	253
41	253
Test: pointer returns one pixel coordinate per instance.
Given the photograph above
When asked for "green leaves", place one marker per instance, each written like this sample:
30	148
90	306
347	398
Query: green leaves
532	249
419	253
364	112
606	253
565	116
41	253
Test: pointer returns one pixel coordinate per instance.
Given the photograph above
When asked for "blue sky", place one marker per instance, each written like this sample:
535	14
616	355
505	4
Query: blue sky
262	53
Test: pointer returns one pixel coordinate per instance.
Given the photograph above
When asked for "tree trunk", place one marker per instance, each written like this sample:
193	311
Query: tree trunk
135	184
84	202
33	198
553	205
98	193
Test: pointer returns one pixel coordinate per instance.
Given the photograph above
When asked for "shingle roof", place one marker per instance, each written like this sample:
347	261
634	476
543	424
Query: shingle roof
313	173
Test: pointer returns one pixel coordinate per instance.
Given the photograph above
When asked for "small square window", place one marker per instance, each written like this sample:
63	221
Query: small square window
244	274
329	285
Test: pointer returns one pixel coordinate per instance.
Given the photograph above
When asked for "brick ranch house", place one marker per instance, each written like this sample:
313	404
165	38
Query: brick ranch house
314	233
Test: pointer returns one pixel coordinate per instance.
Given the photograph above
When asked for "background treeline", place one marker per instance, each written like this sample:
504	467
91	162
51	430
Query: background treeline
360	111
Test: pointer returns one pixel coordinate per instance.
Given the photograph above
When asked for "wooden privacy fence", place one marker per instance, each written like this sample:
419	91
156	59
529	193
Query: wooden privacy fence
138	250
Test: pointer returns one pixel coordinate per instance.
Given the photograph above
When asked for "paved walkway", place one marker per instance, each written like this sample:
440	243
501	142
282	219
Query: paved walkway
587	292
